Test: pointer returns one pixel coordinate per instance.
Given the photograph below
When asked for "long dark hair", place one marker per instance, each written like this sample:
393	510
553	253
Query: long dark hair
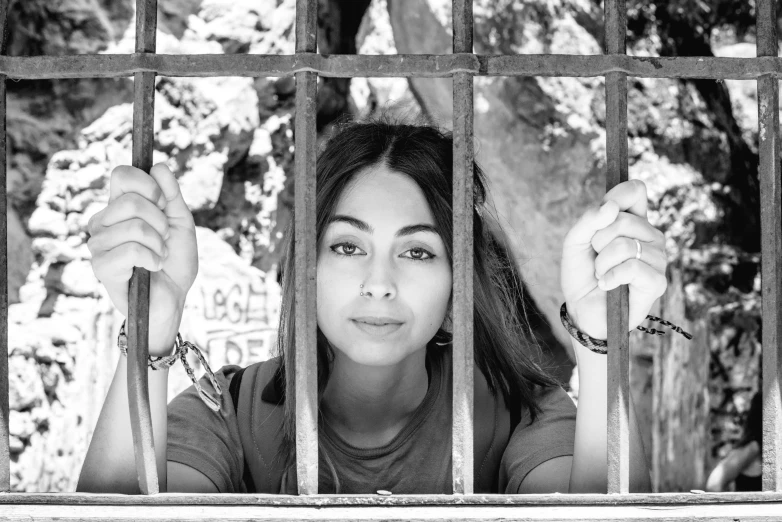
506	355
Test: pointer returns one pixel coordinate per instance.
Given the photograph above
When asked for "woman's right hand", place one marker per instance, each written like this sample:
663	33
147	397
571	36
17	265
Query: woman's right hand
146	224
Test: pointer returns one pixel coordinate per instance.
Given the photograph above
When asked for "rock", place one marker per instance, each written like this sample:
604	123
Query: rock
54	250
24	340
115	122
47	355
79	280
60	329
16	445
63	159
20	254
83	199
20	424
51	376
25	386
174	137
74	223
95	153
47	222
201	182
92	209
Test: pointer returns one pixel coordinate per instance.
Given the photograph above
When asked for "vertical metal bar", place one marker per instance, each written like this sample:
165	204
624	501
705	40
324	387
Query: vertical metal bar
463	363
304	251
771	249
5	442
618	302
137	325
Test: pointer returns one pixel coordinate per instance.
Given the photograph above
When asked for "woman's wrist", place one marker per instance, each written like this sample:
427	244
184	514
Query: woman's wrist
580	327
587	359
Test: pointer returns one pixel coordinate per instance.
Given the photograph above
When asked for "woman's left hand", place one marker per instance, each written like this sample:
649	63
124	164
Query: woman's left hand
599	254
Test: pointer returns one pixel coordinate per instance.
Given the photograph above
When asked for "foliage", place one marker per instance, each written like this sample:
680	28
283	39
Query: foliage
680	22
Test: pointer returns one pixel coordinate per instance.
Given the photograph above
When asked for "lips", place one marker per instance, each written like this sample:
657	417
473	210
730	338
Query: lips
381	331
377	321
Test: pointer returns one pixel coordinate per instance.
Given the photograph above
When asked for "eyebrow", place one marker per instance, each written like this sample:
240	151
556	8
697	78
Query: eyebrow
367	228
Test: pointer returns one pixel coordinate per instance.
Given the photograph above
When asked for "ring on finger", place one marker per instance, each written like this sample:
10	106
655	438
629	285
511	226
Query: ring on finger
638	249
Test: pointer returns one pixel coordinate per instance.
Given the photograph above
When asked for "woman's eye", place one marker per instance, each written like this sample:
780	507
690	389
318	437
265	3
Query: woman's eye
418	251
349	250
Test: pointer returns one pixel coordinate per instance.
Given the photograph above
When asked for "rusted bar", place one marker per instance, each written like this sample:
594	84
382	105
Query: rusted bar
618	302
5	441
744	511
462	26
137	326
385	66
771	248
665	503
305	250
463	359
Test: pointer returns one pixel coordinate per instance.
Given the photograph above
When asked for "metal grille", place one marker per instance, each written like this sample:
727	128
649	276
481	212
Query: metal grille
462	65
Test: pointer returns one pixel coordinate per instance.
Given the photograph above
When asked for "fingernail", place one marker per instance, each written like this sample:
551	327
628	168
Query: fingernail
168	234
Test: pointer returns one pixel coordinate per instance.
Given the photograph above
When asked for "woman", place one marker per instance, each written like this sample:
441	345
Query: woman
384	279
743	466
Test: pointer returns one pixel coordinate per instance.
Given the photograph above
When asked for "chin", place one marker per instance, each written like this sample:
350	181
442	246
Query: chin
374	356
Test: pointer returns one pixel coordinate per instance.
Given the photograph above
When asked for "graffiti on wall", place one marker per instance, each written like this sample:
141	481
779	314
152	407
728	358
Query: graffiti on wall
235	322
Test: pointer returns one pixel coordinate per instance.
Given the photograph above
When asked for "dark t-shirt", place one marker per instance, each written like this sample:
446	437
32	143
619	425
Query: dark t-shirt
753	423
752	430
417	460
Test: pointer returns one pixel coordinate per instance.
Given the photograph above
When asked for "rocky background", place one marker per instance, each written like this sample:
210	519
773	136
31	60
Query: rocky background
230	141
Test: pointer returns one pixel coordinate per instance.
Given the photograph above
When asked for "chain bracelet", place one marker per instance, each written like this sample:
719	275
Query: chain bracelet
180	352
601	346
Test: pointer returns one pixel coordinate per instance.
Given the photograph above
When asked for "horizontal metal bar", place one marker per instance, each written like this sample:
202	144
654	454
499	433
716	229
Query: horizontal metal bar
754	512
557	499
409	65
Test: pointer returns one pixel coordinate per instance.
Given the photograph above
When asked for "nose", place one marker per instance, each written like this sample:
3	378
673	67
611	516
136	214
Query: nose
380	283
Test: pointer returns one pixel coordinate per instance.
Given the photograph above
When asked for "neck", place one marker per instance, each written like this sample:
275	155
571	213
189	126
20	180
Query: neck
368	405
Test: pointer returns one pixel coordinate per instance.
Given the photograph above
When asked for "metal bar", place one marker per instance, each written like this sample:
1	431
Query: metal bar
771	248
385	66
305	258
462	26
530	513
618	302
137	326
666	502
5	440
463	203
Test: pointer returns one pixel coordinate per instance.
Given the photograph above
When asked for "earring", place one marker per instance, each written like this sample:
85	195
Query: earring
444	335
362	286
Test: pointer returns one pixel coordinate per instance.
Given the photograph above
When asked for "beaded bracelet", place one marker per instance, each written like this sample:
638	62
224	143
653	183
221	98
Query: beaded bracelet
166	361
601	346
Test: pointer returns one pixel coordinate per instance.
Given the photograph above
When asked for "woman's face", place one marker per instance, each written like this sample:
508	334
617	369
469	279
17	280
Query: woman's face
405	271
